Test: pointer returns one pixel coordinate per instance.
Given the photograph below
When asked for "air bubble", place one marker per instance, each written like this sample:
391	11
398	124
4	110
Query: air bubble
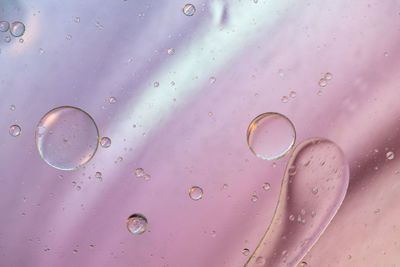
196	193
212	80
260	260
17	29
112	100
292	94
7	38
266	186
284	99
98	175
139	172
4	26
291	216
67	138
68	36
156	84
328	76
137	224
77	19
12	107
270	136
189	9
314	190
254	198
14	130
246	251
105	142
171	51
323	82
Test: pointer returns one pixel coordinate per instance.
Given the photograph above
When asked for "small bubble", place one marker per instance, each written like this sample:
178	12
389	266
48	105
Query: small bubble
225	186
377	211
284	99
291	217
172	83
78	188
171	51
68	36
303	212
105	142
17	29
313	213
212	80
196	193
156	84
292	94
14	130
98	175
112	100
260	260
137	224
386	54
390	155
273	165
246	251
77	19
349	257
146	177
255	1
98	25
281	73
314	190
319	92
266	186
41	51
12	107
328	76
322	82
139	172
4	26
254	198
213	233
7	38
21	40
91	246
189	10
292	170
303	264
75	251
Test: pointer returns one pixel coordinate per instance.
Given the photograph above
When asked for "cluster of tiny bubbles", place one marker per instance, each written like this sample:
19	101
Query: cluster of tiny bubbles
270	136
246	251
260	260
137	224
189	9
390	155
17	29
4	26
170	51
196	193
67	138
112	100
266	186
14	130
212	80
156	84
105	142
254	198
140	173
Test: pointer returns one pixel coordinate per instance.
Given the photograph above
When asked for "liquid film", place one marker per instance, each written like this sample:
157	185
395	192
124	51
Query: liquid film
67	138
270	136
302	213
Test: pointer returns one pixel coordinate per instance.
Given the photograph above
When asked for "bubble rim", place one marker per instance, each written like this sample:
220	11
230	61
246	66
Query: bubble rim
97	143
253	123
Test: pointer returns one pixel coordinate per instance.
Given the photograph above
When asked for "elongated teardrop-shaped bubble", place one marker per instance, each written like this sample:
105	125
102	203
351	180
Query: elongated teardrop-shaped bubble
313	188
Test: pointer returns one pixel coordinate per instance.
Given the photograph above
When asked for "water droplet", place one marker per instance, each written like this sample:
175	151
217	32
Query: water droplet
292	94
156	84
270	136
137	224
112	100
105	142
17	29
67	138
314	190
328	76
266	186
331	185
77	19
7	38
170	51
139	172
4	26
390	155
189	10
14	130
41	51
12	107
212	80
260	260
196	193
246	251
254	198
68	36
322	82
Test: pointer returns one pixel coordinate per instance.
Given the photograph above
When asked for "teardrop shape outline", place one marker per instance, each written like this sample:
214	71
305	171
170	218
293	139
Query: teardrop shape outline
285	178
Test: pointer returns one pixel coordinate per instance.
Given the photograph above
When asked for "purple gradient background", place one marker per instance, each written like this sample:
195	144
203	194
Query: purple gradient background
244	45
